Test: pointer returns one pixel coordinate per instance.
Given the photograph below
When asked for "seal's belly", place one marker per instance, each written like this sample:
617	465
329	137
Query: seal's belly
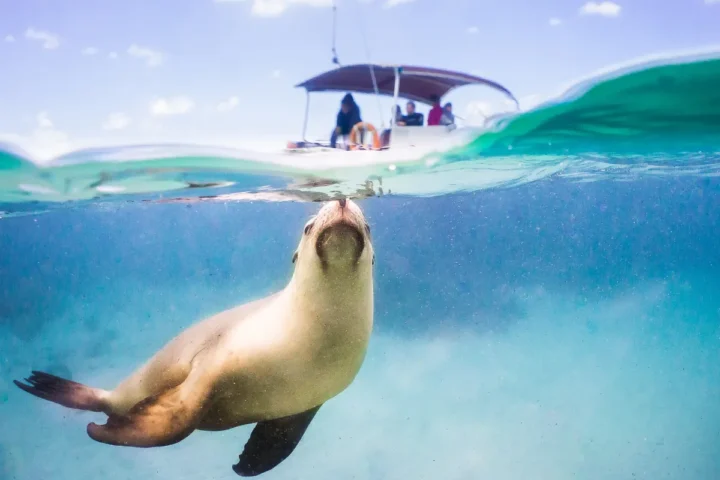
277	394
279	389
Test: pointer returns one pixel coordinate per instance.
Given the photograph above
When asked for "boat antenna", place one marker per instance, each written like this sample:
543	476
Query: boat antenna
334	29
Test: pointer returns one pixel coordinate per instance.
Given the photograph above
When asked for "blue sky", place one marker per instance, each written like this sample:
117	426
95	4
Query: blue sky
80	73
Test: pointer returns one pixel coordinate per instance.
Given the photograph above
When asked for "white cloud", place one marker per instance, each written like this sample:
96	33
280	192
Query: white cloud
395	3
116	121
711	2
274	8
9	38
152	58
605	9
44	142
90	51
172	106
269	8
554	22
43	120
473	30
276	74
49	41
112	55
229	104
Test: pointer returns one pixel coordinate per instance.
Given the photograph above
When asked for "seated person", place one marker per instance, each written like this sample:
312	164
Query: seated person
347	117
413	118
447	118
435	112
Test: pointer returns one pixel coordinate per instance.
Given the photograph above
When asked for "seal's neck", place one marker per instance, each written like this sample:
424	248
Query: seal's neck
333	298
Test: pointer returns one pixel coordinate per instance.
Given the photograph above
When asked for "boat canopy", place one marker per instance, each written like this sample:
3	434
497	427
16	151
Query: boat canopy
416	83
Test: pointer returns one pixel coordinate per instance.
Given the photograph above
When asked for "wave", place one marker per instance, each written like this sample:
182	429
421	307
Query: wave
659	115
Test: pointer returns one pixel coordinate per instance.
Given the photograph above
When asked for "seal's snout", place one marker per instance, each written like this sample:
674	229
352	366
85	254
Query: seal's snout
340	239
341	233
341	207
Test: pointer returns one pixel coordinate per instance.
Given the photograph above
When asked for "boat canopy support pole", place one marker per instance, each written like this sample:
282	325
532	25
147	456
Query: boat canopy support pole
307	111
395	95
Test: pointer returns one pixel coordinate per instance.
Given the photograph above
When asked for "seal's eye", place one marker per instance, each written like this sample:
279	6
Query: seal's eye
367	228
308	227
294	259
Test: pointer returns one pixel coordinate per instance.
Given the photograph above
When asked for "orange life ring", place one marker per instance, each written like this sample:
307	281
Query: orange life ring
376	144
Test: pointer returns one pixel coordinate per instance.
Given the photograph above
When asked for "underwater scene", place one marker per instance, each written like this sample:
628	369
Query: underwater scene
540	302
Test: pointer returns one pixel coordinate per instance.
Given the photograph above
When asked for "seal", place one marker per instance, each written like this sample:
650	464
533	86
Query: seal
272	362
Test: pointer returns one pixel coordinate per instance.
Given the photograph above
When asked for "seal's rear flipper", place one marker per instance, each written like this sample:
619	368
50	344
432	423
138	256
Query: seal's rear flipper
159	420
64	392
272	442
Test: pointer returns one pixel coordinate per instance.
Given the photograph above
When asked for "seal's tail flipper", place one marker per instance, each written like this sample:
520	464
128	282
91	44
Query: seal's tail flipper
159	420
64	392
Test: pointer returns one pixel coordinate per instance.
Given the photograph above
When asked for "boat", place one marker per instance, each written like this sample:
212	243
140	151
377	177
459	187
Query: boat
416	83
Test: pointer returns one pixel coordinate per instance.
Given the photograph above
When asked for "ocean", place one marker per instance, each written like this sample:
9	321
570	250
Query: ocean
546	296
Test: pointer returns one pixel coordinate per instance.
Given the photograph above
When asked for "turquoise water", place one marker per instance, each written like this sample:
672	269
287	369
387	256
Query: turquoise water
546	297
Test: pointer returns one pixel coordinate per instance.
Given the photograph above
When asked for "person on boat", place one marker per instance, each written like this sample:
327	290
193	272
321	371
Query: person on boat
413	118
435	112
347	118
448	117
399	117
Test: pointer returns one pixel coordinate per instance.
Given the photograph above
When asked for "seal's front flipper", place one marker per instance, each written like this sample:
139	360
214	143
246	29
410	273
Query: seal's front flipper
272	442
63	392
159	420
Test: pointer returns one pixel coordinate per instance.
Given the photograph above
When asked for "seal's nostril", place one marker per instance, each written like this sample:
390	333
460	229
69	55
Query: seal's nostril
342	202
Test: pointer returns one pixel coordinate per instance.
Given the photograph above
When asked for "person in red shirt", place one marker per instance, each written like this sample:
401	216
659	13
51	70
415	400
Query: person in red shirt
435	112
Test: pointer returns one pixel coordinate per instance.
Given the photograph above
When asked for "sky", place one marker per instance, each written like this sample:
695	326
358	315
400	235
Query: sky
84	73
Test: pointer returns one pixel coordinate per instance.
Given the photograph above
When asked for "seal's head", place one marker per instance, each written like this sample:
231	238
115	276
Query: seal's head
336	240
